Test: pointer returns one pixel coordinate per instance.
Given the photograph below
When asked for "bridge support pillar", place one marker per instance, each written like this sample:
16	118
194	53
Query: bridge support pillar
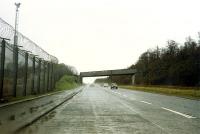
80	79
111	79
133	79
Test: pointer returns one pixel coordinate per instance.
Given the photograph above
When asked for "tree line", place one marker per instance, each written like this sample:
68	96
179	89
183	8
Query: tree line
62	69
174	64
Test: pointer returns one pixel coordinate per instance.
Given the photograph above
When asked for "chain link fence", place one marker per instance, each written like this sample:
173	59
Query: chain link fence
7	31
24	75
28	72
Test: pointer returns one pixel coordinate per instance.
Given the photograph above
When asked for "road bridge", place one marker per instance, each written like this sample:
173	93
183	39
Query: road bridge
109	73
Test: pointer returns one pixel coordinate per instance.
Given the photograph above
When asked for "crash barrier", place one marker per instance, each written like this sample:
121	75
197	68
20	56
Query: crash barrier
17	115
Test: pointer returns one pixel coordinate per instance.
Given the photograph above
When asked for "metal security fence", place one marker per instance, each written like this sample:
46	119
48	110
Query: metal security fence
22	73
26	68
7	31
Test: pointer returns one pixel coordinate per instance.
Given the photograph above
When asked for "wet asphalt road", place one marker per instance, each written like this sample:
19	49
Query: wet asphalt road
98	110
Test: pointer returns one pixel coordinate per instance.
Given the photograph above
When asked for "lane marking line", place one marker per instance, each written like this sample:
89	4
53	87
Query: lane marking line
146	102
116	92
122	95
132	99
130	108
184	115
125	95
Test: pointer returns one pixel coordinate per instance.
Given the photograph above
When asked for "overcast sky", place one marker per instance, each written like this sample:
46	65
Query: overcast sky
103	34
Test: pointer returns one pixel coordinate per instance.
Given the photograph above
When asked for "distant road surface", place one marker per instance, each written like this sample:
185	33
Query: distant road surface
98	110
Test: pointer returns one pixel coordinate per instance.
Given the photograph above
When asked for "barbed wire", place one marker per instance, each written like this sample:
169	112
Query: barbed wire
7	31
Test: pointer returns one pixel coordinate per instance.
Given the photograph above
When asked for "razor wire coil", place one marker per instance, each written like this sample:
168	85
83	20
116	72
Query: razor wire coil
7	31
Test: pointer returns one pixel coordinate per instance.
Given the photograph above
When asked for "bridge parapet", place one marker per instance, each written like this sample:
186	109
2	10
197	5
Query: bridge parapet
108	72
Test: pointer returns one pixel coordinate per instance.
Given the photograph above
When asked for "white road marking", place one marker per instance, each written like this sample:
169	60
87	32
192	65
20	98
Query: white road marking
118	93
184	115
132	99
127	106
146	102
130	108
125	95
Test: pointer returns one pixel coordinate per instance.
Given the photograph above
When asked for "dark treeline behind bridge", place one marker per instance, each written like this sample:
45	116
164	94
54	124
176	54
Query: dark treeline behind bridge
174	64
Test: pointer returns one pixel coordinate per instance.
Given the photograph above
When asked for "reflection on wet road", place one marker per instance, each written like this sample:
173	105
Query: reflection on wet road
97	110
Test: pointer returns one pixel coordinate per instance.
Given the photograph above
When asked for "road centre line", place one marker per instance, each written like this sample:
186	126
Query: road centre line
146	102
125	95
130	98
113	91
130	108
179	113
121	94
116	92
184	115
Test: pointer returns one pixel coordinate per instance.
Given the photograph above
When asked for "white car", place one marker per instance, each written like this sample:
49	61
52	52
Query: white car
114	86
105	85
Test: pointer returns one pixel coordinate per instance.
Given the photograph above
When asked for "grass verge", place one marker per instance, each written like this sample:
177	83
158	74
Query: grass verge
191	93
65	83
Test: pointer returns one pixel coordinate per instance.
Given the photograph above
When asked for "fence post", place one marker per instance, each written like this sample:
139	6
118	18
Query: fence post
25	72
44	69
50	85
3	44
39	71
33	76
53	76
80	79
48	76
15	69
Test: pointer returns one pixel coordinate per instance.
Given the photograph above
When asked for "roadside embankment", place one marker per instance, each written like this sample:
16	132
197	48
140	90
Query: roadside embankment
65	83
186	92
